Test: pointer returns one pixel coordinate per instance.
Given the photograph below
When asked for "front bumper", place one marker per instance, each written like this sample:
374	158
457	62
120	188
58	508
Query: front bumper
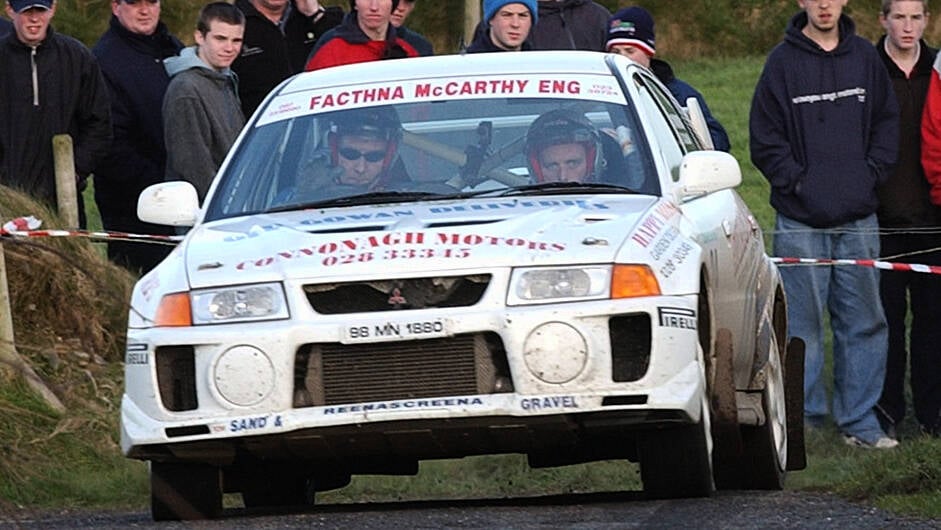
531	416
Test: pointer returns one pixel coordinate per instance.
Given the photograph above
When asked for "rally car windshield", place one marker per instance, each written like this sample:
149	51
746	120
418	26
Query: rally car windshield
436	150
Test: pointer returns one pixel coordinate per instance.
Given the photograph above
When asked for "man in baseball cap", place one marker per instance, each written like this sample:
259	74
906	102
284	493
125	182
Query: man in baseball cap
39	12
60	90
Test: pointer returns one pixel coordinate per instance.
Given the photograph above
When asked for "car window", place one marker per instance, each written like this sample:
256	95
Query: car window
439	147
674	138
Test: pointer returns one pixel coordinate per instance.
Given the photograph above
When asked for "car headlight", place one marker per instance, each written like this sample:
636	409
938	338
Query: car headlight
579	283
239	304
542	285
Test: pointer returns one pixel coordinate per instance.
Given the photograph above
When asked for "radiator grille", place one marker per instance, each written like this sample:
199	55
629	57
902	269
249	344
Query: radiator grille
406	293
332	374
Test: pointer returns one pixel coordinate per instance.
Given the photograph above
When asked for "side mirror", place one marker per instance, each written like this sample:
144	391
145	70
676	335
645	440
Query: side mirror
169	203
703	172
698	120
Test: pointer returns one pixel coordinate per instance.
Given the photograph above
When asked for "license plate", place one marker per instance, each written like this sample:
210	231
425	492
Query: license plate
391	330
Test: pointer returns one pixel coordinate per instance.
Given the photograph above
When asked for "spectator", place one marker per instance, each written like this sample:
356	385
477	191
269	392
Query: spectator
563	146
929	395
5	27
50	84
910	227
366	34
631	34
418	41
570	25
202	115
130	54
824	132
505	26
279	35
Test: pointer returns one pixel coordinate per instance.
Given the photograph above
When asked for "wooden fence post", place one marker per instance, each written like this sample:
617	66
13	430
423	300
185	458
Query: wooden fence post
7	346
66	190
10	360
471	18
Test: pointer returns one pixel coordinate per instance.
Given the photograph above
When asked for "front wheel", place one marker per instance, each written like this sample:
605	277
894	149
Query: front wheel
677	462
765	446
185	491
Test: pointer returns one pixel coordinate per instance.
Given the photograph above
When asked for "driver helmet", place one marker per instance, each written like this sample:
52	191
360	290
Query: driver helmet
381	123
562	126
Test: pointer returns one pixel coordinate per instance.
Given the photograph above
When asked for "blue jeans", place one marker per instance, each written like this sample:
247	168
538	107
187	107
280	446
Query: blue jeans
851	295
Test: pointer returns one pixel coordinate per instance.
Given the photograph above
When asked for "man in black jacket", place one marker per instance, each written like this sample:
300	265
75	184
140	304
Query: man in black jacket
909	227
417	40
570	25
51	85
131	54
279	35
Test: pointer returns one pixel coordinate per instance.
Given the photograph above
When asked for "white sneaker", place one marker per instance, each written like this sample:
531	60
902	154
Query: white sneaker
884	442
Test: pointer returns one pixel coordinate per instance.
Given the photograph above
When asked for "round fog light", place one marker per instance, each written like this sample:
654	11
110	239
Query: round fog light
243	375
555	352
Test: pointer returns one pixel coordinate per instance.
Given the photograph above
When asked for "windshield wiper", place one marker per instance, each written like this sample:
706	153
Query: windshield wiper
375	197
558	188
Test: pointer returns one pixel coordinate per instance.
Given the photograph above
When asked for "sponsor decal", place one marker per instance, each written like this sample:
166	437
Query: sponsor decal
594	87
255	423
677	317
676	259
548	403
410	404
355	217
518	205
149	285
136	354
399	246
652	225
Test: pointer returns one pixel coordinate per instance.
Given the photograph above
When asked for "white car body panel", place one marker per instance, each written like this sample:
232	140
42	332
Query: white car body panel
435	282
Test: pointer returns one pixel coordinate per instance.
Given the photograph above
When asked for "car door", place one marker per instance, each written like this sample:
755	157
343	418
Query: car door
720	222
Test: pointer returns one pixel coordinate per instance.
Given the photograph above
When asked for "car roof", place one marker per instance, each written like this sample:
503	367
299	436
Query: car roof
515	63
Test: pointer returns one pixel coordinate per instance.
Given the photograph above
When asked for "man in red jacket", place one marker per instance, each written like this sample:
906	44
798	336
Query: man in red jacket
366	34
931	133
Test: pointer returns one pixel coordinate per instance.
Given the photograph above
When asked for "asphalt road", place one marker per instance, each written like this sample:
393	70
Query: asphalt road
739	510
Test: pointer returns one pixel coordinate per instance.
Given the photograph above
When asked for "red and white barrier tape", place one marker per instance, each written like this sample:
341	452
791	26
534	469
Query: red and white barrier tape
884	265
91	235
26	227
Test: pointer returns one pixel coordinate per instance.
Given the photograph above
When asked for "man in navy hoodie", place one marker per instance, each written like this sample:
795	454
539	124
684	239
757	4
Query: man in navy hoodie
824	132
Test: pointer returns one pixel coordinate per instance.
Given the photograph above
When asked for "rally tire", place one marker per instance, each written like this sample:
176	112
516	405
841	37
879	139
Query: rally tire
185	491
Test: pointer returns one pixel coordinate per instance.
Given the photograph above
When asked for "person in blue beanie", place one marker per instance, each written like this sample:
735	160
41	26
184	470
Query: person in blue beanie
505	26
824	131
631	34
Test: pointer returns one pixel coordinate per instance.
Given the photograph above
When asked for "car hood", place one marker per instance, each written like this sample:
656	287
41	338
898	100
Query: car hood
403	239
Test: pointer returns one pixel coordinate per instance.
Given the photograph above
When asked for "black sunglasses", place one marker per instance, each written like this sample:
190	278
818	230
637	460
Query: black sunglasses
352	154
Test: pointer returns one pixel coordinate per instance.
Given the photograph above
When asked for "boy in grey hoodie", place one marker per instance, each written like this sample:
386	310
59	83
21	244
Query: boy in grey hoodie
202	115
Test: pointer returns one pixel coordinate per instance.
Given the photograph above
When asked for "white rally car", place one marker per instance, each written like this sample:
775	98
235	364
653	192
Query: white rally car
477	296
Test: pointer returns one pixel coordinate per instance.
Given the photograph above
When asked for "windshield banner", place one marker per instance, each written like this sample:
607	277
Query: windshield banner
602	88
